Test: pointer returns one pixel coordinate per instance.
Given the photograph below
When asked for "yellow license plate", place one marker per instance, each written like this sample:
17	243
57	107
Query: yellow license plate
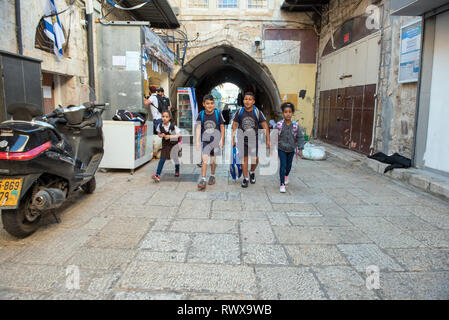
10	192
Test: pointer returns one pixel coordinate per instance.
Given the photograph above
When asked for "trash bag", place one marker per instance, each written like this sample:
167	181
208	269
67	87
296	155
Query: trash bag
313	152
235	169
395	160
125	115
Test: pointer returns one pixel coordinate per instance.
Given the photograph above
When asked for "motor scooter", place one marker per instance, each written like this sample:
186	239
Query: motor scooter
45	159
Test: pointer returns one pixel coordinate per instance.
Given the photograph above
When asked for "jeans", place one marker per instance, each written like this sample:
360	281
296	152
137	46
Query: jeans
161	165
156	122
286	159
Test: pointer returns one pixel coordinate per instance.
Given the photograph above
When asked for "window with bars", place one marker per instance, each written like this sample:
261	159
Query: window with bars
227	3
41	41
257	4
198	3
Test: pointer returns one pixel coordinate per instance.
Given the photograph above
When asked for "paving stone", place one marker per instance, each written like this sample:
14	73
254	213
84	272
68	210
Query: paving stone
239	215
55	251
227	205
160	225
377	211
7	253
171	256
264	254
150	212
119	225
166	241
194	209
101	258
285	207
435	239
411	223
421	259
97	223
385	234
206	195
21	295
319	221
259	205
215	248
287	283
166	199
319	235
315	255
220	296
30	277
332	210
177	276
256	232
278	218
118	241
203	225
137	295
414	285
303	214
361	256
343	283
435	218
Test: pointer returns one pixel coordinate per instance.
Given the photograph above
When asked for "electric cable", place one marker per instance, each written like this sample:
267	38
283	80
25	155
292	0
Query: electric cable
62	11
116	5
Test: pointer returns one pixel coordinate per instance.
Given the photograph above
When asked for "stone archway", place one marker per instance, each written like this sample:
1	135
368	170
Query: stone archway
228	64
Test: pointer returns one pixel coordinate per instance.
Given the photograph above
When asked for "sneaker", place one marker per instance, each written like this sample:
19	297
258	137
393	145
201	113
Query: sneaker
176	174
245	183
283	190
252	177
211	180
202	185
156	178
286	180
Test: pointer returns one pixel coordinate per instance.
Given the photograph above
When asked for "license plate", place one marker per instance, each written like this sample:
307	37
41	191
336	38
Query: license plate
10	192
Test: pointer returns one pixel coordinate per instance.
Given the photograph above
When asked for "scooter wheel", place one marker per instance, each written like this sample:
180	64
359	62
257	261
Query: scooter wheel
17	221
90	186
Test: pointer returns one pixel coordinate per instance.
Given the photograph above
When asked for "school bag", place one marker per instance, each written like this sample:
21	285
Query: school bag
256	113
280	125
217	117
235	169
125	115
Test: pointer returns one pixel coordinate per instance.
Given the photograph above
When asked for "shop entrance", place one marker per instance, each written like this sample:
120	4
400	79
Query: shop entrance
226	64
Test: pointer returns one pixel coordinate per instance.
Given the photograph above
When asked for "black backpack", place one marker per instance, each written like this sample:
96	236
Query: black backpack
125	115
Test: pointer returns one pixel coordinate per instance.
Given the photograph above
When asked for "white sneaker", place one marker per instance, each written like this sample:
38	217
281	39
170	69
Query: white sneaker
286	180
283	190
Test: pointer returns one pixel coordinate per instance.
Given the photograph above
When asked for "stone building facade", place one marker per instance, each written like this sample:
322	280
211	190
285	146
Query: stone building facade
394	119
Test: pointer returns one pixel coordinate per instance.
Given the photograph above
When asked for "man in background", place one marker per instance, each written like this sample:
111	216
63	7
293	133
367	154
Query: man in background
166	101
155	108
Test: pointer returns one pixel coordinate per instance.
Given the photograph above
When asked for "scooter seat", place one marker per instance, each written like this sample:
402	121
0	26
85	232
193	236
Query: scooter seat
24	111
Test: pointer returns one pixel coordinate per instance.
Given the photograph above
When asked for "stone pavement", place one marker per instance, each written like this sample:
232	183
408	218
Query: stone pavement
133	239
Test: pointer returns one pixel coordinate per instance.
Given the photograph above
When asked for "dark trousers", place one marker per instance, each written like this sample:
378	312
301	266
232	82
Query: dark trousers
156	122
161	165
286	159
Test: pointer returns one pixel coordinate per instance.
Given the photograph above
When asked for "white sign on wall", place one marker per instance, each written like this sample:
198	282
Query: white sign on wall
410	55
282	51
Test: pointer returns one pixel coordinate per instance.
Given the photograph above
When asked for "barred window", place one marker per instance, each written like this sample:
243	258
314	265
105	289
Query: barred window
227	3
256	4
41	41
198	3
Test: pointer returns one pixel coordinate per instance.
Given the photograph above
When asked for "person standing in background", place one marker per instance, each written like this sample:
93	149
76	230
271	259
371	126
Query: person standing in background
155	108
166	100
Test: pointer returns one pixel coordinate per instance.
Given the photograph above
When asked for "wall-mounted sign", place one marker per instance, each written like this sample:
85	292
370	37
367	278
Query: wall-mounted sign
410	55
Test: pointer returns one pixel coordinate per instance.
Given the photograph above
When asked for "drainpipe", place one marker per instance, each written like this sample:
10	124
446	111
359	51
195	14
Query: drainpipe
90	47
19	28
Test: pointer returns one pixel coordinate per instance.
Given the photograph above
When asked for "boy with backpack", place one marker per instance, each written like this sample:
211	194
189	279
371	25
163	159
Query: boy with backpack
291	138
210	129
248	119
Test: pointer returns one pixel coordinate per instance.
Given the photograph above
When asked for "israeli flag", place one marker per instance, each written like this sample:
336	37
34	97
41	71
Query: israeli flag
53	28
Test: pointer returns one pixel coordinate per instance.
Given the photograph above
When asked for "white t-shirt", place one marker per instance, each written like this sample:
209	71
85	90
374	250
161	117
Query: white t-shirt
156	114
166	127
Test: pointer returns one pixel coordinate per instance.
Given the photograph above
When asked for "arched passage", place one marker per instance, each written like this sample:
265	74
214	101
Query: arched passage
228	64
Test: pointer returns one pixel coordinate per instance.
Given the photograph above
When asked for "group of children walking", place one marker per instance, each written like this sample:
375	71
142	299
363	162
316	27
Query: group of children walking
210	133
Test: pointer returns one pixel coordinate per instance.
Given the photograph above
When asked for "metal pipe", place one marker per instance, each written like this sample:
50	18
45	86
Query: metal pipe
19	27
90	54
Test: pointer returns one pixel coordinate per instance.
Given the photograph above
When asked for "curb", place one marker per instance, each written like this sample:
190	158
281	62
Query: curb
425	181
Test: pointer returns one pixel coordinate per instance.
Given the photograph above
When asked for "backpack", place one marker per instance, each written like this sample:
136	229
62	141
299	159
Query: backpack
160	104
171	128
280	125
256	113
125	115
217	117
